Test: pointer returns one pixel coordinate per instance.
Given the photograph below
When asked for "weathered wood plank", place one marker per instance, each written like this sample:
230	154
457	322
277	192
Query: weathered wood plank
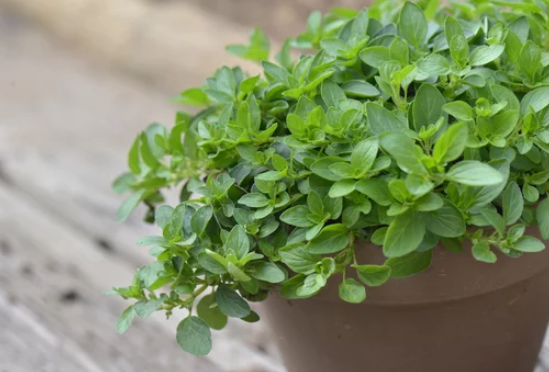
59	275
22	332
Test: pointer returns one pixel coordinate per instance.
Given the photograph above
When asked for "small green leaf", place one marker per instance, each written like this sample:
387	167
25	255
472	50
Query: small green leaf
412	24
513	203
373	275
238	241
342	188
208	311
427	107
409	265
194	336
351	291
332	94
529	244
364	155
446	222
125	320
451	144
254	200
405	234
382	120
130	204
460	110
145	309
482	252
331	239
299	259
268	272
297	216
542	215
360	89
474	173
486	54
403	150
230	303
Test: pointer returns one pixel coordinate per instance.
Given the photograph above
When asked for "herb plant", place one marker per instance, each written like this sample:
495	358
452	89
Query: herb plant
405	127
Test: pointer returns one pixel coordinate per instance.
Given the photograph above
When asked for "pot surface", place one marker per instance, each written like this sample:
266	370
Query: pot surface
460	315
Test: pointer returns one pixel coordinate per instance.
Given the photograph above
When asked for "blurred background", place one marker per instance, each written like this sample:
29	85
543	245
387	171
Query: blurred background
78	80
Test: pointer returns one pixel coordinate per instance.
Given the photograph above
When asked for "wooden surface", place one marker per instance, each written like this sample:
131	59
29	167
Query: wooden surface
64	132
65	126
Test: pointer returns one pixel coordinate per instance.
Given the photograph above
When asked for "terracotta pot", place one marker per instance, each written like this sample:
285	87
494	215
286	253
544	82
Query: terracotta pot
458	316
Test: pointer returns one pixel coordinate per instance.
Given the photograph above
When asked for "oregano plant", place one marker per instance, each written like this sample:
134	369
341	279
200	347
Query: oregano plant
402	128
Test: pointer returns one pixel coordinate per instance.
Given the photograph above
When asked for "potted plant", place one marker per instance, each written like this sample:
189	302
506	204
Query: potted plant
408	138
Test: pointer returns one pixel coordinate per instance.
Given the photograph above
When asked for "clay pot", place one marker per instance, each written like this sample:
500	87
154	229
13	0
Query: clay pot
458	316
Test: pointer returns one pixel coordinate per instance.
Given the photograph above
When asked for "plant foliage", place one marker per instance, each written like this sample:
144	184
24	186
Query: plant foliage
410	126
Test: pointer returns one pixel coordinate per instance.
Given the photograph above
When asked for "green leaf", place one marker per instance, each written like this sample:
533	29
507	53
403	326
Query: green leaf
452	28
513	203
331	239
201	218
342	188
211	264
486	54
482	252
290	287
145	309
236	273
130	204
299	259
451	144
268	272
208	311
537	99
297	216
529	244
332	94
412	24
427	106
446	222
230	303
194	97
364	155
194	336
257	50
474	173
151	240
409	265
134	161
375	56
322	168
254	200
435	64
238	241
358	88
542	215
494	219
530	59
382	120
351	291
405	234
403	150
376	189
460	110
373	275
125	320
162	215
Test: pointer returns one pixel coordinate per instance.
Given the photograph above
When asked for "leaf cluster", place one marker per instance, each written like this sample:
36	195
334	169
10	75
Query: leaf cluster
404	128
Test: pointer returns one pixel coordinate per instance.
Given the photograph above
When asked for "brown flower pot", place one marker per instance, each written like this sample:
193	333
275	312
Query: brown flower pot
458	316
